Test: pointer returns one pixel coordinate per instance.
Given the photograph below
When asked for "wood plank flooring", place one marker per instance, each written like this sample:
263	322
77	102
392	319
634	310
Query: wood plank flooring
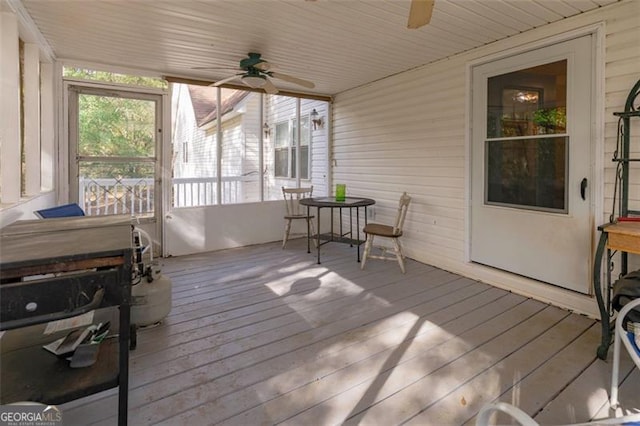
261	335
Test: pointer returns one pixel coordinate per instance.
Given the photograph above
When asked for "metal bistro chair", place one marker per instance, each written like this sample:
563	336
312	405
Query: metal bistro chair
486	412
394	232
627	339
295	211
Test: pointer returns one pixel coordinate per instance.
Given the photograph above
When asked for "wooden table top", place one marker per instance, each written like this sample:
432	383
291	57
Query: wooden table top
625	228
623	236
34	241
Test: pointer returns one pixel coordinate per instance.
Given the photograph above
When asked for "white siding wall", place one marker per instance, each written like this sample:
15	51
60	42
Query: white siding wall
622	70
408	133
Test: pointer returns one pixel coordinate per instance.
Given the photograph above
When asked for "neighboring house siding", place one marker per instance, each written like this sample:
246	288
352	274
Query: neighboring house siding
251	128
201	148
280	108
407	133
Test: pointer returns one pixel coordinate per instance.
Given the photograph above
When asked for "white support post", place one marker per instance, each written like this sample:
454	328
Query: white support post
219	145
47	127
261	147
31	107
10	164
298	144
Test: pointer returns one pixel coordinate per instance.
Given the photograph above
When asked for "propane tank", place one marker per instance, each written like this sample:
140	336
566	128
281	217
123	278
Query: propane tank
150	299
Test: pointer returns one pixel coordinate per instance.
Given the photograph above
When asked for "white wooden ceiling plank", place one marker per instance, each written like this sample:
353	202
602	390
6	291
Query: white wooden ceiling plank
514	10
535	9
558	6
483	10
461	19
584	5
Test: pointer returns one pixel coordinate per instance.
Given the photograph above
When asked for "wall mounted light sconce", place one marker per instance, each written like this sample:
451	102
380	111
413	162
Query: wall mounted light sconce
317	120
266	129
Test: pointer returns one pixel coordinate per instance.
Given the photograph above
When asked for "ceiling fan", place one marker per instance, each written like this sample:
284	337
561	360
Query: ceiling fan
255	73
420	13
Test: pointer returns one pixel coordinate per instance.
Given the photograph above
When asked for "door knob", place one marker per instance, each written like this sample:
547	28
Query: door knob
583	188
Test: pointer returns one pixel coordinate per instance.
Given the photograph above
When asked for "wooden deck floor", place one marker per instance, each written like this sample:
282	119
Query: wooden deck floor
261	335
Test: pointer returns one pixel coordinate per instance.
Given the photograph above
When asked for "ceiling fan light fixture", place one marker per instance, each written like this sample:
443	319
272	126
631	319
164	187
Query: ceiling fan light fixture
254	81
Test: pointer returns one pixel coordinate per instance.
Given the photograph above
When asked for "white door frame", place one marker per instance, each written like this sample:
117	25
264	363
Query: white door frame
152	225
597	131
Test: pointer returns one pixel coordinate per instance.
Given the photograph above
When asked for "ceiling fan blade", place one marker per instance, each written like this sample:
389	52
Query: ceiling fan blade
269	88
420	13
225	80
291	79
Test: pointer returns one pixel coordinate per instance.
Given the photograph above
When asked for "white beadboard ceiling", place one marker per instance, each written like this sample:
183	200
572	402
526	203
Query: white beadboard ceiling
338	44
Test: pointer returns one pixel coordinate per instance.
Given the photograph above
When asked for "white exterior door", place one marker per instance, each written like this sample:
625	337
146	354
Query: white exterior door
531	209
115	153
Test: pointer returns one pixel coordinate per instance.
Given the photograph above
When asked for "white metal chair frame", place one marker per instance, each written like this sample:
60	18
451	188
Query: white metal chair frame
620	335
484	416
485	413
295	211
394	232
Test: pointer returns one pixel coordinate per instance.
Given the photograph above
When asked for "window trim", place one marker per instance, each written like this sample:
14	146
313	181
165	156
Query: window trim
27	166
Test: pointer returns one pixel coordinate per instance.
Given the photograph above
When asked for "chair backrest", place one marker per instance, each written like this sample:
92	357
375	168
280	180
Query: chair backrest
66	210
292	196
403	206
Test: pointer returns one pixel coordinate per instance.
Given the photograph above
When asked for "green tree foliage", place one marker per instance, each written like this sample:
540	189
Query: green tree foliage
112	77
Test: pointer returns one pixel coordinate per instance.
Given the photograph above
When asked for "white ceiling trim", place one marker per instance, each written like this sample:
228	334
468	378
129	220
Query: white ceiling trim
29	31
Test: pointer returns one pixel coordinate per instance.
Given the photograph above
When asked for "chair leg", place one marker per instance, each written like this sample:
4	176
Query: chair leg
287	228
400	245
399	254
367	250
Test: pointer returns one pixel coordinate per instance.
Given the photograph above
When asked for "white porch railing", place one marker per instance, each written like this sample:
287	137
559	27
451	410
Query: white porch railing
104	196
135	196
192	192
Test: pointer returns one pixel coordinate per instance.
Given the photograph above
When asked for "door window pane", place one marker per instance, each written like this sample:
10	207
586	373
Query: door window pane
116	150
113	126
527	172
525	163
527	102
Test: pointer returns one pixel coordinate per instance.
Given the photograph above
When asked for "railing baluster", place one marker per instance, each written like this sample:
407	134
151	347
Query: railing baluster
116	198
105	195
150	192
131	197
